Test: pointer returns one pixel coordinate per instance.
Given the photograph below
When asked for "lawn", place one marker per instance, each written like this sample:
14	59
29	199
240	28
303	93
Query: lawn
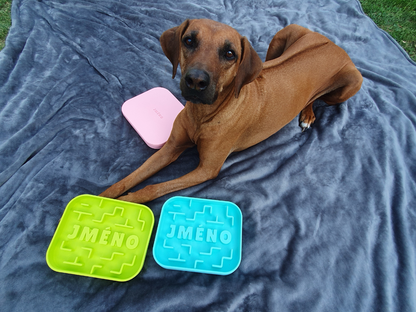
5	20
397	17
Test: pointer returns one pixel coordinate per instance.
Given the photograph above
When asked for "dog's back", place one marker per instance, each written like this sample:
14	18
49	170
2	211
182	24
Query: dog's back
311	65
302	66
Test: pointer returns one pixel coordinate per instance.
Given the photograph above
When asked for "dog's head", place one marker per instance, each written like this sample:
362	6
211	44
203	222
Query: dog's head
213	57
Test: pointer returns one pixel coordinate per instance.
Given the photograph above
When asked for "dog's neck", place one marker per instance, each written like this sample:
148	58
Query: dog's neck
203	113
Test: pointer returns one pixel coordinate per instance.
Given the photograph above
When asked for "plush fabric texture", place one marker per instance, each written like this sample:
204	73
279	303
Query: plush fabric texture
329	215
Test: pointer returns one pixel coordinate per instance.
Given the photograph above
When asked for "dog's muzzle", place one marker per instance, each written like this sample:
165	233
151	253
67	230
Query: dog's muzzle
196	86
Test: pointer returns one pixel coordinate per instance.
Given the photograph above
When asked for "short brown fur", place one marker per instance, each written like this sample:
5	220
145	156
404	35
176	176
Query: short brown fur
251	100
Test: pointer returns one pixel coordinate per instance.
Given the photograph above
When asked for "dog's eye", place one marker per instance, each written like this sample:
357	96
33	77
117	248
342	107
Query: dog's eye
189	42
229	55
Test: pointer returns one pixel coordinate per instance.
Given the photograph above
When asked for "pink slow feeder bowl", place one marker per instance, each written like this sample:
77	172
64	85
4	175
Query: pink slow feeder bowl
152	114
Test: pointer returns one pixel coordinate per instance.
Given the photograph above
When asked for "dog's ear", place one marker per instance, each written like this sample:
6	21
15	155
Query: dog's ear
171	44
250	66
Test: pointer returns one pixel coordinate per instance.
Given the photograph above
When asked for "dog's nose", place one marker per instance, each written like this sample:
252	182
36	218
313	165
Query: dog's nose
197	79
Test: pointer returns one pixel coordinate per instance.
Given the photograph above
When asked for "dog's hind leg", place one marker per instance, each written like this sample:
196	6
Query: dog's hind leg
284	39
307	117
348	84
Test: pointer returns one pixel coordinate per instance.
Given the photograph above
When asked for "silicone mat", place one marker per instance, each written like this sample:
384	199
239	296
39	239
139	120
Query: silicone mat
199	235
152	115
101	237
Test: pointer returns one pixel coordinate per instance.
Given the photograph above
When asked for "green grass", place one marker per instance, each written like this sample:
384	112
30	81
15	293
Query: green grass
397	17
5	20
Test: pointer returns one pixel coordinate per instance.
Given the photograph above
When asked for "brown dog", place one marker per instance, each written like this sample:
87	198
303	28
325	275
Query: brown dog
234	100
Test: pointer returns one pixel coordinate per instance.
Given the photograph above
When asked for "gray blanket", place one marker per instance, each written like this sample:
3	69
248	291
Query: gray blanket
329	215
